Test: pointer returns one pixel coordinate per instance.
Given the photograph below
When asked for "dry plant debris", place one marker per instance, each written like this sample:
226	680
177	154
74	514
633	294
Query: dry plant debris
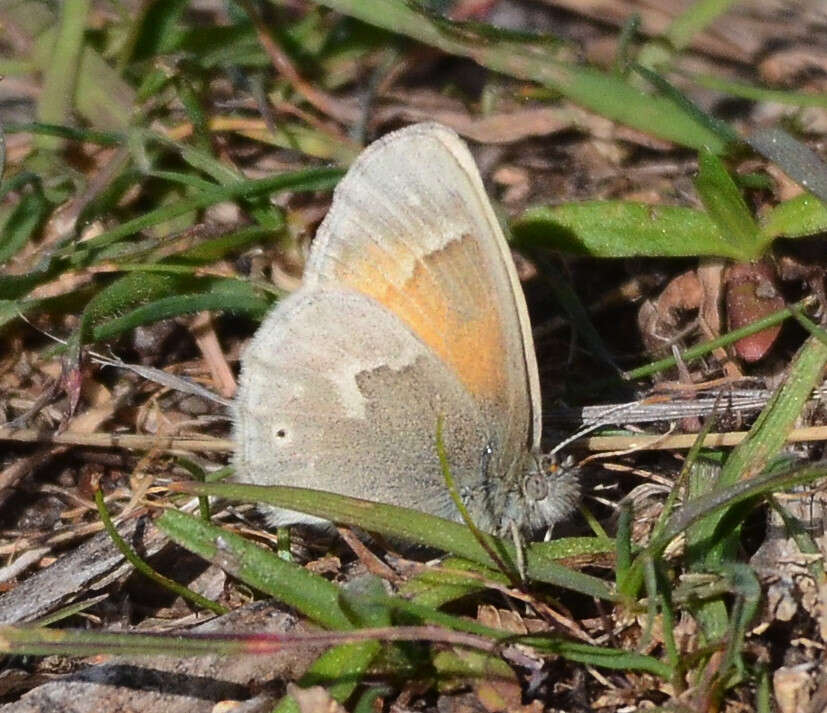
165	166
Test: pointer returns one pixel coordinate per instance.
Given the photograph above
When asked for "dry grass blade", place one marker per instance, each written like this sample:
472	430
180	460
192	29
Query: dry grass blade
164	173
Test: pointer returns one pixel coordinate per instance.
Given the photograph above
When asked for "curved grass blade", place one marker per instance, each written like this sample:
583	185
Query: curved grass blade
720	128
131	556
740	492
313	179
410	525
242	300
310	594
722	341
601	92
342	667
92	136
756	93
739	479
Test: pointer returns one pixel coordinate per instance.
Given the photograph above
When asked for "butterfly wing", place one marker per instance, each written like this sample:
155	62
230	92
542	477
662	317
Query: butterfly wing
411	226
336	393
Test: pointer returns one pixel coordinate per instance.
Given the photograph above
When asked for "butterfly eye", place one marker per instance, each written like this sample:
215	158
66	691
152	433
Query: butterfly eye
535	486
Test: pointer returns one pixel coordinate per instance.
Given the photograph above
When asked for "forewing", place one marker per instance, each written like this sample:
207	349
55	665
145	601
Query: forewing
412	227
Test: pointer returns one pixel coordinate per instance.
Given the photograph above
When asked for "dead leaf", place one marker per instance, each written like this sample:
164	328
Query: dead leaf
314	699
752	294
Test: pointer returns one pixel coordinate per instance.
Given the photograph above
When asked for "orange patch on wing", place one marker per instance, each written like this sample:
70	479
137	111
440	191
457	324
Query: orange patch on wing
460	322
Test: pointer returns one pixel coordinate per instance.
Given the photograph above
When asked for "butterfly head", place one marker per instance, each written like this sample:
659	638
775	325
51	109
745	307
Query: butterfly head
546	492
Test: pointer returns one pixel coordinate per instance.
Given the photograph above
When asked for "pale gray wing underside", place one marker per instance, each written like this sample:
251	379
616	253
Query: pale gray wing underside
337	394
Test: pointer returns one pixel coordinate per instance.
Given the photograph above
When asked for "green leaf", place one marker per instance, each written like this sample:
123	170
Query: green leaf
340	669
803	215
622	229
711	615
156	31
244	303
436	586
726	205
235	296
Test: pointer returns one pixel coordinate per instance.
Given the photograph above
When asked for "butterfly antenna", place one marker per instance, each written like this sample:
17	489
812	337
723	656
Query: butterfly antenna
604	420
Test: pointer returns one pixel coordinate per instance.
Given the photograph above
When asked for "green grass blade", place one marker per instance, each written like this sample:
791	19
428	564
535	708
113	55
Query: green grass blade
61	72
718	127
410	525
769	433
104	138
314	179
724	340
340	670
237	302
453	579
694	19
740	492
602	656
590	654
22	223
601	92
141	566
158	30
310	594
762	94
726	205
797	160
